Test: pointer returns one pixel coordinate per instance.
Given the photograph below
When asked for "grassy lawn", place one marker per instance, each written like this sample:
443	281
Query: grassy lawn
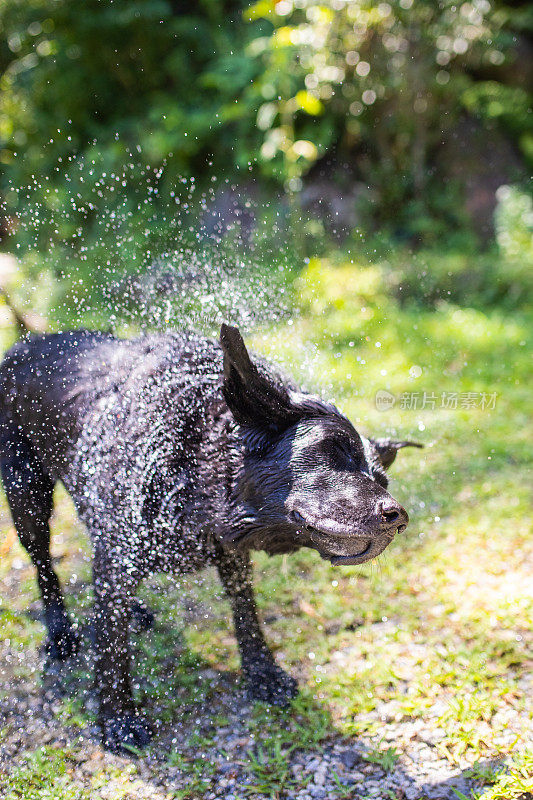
428	648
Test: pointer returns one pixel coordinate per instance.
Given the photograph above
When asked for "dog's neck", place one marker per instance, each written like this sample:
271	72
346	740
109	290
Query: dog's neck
221	459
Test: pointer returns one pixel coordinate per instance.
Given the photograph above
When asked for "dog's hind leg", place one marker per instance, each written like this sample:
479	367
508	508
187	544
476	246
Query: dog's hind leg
114	588
29	494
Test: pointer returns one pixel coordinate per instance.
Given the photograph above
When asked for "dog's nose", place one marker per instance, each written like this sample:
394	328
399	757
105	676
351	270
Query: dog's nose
392	516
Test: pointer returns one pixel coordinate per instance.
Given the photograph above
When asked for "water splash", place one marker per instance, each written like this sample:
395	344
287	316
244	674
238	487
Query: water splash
133	249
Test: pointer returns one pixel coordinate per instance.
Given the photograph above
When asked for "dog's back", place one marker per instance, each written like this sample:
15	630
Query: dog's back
51	384
123	424
44	384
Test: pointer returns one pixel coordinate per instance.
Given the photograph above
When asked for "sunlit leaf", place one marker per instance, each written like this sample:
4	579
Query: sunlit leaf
283	37
260	10
266	115
305	149
309	103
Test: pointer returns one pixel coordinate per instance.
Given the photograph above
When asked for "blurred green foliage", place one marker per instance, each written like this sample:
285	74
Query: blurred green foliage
389	74
514	225
270	88
150	75
502	276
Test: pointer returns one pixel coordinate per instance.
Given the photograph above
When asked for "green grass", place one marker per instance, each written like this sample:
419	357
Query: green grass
45	773
53	773
513	781
437	629
386	758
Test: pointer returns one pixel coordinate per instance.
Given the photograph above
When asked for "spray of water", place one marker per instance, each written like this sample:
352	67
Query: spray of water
135	250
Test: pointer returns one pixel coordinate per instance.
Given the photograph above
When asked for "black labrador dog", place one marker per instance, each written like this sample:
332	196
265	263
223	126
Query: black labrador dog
180	452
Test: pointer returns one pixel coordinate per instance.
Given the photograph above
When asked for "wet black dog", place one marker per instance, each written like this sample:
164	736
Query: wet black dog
180	452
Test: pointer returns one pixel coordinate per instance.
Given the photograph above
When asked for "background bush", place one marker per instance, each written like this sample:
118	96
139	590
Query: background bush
385	124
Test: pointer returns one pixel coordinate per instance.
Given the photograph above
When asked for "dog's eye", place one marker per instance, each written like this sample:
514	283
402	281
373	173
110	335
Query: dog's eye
340	454
348	456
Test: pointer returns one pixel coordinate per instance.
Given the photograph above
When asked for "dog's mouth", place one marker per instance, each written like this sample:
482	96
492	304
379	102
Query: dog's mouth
366	549
334	549
355	558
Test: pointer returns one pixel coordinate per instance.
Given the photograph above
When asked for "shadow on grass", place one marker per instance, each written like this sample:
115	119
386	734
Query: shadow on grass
212	742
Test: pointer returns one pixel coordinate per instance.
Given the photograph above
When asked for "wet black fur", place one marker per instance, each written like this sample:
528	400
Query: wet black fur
180	452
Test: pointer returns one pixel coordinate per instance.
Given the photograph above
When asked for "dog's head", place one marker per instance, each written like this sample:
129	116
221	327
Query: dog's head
308	478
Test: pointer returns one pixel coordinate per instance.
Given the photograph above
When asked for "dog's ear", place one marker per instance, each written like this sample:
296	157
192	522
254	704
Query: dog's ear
387	449
254	398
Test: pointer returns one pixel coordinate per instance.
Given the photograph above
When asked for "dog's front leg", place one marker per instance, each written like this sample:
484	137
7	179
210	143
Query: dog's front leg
120	723
266	681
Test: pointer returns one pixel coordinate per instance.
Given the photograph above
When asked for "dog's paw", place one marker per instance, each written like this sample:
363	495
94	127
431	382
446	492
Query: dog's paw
62	645
270	684
62	641
125	733
142	617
